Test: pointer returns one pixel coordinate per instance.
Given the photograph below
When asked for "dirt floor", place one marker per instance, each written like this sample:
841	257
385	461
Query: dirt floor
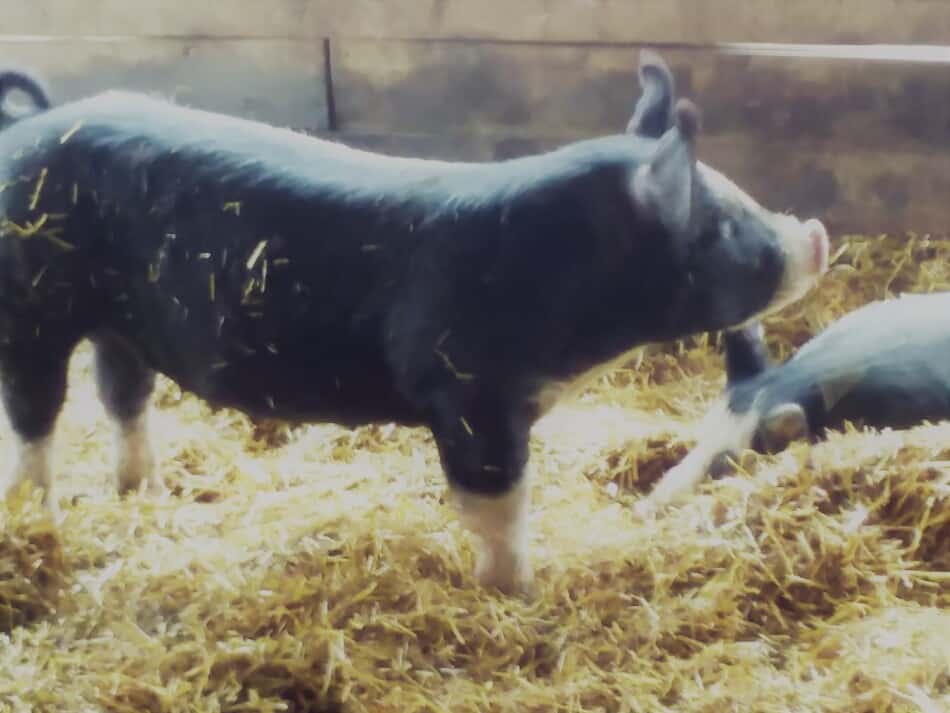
321	569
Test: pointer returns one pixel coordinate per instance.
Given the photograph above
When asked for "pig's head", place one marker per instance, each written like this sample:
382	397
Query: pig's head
738	261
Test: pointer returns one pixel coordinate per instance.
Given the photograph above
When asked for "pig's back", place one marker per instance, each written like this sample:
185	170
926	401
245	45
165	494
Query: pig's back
884	365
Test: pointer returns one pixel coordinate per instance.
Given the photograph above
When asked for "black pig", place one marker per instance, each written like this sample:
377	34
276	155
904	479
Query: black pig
881	366
294	278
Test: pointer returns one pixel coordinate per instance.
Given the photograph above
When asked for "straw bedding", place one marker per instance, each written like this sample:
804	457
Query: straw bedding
320	569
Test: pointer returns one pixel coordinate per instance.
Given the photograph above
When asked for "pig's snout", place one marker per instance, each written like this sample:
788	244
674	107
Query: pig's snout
817	238
806	249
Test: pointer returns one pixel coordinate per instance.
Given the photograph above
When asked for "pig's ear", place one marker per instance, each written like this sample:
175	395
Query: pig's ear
782	425
653	113
663	188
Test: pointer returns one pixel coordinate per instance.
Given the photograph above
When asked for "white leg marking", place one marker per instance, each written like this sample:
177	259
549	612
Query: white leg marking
135	461
31	464
502	524
722	430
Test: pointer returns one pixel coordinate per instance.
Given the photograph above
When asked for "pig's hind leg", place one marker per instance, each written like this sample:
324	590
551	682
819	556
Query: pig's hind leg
125	384
33	373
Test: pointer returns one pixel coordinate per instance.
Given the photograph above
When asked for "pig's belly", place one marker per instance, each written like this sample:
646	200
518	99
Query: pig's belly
262	387
285	376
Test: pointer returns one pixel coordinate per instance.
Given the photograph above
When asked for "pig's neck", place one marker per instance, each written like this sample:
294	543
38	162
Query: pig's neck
648	300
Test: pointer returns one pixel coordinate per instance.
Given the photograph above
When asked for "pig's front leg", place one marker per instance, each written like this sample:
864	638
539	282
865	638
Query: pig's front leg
723	432
483	445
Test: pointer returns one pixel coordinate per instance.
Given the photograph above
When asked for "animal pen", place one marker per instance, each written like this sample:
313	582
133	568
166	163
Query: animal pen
320	568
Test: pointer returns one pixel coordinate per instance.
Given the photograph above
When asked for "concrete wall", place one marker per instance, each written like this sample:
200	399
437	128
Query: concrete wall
857	135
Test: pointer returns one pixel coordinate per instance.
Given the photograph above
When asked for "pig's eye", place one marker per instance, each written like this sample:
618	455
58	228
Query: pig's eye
727	229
